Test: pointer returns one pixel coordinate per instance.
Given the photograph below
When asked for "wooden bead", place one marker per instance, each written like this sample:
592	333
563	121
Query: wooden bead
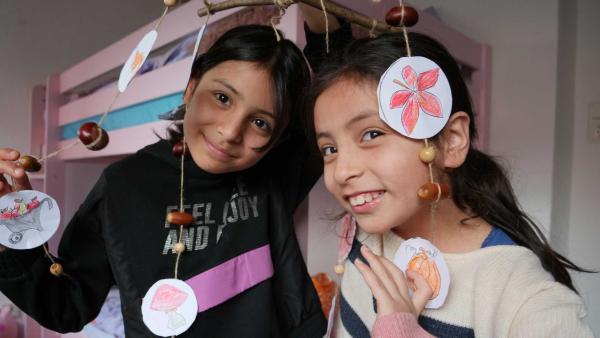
427	154
429	191
180	218
56	269
170	2
394	16
179	247
29	163
94	137
178	149
339	269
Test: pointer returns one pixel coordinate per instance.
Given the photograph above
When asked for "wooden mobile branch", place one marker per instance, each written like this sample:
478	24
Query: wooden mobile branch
332	8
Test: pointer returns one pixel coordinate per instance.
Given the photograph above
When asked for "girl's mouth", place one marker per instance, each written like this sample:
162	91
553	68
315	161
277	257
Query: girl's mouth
365	201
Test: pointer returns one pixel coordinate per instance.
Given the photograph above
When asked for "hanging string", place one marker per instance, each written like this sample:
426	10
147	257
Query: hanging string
404	32
429	165
181	207
161	18
326	27
372	31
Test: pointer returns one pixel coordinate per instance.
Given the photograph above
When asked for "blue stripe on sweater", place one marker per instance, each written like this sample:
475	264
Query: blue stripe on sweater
351	321
441	329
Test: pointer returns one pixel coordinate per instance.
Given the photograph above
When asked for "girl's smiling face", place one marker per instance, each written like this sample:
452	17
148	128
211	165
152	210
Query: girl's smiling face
230	115
372	171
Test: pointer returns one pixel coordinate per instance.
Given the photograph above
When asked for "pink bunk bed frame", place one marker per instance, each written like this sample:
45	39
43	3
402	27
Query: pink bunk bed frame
50	110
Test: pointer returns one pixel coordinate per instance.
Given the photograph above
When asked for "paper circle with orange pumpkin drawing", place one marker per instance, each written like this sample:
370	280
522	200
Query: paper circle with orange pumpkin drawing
419	255
169	307
415	97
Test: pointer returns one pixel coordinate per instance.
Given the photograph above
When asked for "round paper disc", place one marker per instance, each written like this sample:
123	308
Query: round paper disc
169	307
420	255
415	97
136	59
28	219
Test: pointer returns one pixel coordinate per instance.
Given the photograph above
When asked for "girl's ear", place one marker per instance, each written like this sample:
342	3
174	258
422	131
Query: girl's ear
455	140
189	91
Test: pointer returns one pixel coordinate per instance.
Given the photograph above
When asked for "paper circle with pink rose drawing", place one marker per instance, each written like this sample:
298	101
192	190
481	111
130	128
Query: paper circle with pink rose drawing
169	307
415	97
28	219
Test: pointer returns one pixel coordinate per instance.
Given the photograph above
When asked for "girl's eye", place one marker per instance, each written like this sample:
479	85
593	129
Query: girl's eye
262	124
371	134
222	98
328	150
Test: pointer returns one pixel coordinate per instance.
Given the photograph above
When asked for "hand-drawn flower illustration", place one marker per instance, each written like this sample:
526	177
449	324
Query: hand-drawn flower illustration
414	96
167	299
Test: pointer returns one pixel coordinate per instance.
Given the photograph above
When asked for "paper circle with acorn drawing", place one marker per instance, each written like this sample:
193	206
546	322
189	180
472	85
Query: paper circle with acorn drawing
414	97
28	219
169	307
420	255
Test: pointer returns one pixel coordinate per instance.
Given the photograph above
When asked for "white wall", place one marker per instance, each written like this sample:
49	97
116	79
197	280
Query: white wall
584	215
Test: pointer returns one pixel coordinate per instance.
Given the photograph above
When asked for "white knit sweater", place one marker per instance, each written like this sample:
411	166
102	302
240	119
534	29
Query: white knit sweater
498	291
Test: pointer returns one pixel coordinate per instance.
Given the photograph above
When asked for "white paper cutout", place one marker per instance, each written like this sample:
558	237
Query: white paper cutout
331	318
197	46
415	97
136	59
420	255
28	219
169	307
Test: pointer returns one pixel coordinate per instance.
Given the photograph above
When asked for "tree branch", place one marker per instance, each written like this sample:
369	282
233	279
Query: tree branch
333	8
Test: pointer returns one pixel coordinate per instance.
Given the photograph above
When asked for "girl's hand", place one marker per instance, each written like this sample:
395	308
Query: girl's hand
389	287
9	167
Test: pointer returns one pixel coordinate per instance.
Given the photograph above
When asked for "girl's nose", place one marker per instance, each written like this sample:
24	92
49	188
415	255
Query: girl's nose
347	167
231	129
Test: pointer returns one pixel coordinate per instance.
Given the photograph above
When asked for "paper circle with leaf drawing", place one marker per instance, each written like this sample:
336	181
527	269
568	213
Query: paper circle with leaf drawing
415	97
169	307
28	219
421	256
136	59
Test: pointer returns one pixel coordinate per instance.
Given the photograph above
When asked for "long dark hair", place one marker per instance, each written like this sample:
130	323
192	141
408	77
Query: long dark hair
480	186
289	72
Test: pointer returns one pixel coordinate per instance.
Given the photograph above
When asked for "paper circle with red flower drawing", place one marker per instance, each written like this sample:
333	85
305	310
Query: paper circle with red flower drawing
415	97
169	307
28	219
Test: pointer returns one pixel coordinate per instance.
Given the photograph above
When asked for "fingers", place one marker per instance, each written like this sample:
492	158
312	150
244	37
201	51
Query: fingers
372	280
422	292
9	167
381	270
398	278
8	154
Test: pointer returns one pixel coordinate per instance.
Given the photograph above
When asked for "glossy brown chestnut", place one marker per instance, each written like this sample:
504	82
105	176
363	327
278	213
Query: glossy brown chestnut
93	136
29	163
56	269
429	191
180	218
178	149
394	16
